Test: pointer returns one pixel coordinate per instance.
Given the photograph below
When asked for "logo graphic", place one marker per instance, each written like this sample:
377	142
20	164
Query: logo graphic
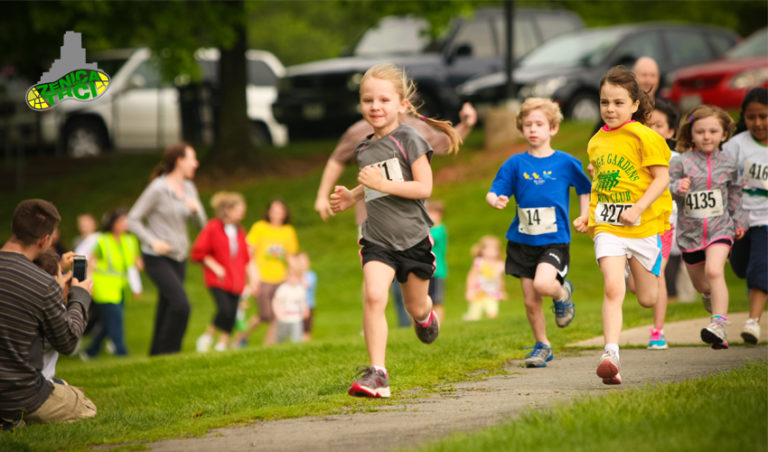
606	181
70	77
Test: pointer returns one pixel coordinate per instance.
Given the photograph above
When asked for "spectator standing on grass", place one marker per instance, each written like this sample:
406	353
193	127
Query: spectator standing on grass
704	183
115	262
289	304
159	218
395	179
274	240
33	310
750	149
221	250
485	281
344	154
309	279
439	235
630	204
538	247
88	234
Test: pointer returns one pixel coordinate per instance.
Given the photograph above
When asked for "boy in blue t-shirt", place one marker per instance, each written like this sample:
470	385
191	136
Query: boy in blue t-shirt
540	234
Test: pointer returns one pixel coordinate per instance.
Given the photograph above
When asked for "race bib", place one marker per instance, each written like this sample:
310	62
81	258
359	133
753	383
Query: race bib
755	175
609	213
703	204
537	220
390	170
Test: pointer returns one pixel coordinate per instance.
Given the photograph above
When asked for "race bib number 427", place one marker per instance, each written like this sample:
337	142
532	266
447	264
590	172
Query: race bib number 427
609	213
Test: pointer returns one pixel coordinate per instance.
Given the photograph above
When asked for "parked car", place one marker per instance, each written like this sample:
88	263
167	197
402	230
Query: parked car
723	82
322	96
568	68
139	111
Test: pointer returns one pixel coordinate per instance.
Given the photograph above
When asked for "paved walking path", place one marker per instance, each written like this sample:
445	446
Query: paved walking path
469	406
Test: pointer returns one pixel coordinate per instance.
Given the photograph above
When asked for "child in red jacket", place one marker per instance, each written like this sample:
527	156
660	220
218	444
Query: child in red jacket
224	255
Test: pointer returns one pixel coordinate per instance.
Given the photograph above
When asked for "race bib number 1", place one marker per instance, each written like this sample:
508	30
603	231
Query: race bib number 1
703	204
537	220
610	212
390	170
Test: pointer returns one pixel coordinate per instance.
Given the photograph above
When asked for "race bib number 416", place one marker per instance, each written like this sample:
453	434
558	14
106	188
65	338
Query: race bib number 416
390	170
609	213
703	204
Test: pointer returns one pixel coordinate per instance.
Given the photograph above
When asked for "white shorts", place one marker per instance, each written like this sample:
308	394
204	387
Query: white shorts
647	251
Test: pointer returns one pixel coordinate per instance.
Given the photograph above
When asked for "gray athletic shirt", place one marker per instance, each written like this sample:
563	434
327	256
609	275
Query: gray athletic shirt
394	222
160	214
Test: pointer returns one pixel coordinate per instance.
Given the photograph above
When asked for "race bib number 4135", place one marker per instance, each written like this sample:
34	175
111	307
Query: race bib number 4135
703	204
609	213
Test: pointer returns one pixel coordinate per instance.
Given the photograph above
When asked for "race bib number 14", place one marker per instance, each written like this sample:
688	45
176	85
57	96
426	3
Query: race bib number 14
537	220
390	170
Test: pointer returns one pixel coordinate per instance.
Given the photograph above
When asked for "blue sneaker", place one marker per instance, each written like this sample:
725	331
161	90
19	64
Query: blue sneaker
564	309
657	341
539	356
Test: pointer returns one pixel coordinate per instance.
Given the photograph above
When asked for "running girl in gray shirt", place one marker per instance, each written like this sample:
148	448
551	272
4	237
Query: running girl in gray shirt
395	179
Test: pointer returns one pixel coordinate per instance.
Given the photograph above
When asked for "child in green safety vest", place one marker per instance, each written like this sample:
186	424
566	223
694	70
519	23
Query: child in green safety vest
114	263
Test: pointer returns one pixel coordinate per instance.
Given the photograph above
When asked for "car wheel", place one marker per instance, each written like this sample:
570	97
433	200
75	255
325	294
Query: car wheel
584	107
260	134
84	138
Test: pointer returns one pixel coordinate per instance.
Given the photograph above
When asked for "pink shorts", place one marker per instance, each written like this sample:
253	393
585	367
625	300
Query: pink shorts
666	242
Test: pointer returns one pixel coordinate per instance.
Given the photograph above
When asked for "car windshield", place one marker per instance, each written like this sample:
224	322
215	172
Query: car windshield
754	46
394	36
583	48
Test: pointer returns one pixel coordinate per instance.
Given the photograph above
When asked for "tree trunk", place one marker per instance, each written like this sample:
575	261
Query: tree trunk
233	144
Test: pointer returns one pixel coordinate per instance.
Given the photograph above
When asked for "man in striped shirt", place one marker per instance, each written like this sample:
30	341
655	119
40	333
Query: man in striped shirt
32	310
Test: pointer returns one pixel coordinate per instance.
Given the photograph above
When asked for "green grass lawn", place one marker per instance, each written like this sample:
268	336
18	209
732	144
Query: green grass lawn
144	399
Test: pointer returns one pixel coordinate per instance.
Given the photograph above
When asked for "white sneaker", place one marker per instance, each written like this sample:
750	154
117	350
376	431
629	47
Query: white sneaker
220	347
608	369
714	333
110	346
751	331
203	343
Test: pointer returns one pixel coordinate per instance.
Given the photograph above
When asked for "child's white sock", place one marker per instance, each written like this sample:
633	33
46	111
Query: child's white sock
612	347
426	320
381	369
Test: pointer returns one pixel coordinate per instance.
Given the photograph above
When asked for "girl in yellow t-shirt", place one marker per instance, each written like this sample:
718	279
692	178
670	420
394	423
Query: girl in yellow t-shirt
273	240
629	204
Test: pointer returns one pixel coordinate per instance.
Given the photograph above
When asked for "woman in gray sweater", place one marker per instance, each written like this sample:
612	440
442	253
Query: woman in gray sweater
159	219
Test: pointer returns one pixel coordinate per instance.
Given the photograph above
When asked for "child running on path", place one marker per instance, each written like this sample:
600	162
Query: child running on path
485	281
750	149
539	236
395	178
630	204
704	183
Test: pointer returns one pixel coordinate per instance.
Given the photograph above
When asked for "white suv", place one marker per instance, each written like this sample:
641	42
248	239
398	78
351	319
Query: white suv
138	111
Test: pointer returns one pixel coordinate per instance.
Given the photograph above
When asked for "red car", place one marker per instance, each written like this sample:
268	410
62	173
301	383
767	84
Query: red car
723	82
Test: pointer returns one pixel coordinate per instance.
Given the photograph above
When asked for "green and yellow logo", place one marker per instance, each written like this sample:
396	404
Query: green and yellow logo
70	77
79	85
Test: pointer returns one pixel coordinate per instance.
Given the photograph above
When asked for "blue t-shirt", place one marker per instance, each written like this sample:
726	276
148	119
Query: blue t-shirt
541	190
311	277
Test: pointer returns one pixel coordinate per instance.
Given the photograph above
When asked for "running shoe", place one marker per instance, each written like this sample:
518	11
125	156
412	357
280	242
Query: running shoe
657	342
751	331
539	356
706	299
370	383
714	333
428	332
564	309
608	369
203	343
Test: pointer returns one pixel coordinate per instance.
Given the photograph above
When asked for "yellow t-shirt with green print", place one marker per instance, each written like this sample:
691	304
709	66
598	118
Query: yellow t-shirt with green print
272	245
621	158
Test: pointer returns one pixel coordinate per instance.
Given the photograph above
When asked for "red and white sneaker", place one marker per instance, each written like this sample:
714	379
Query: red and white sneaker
371	383
428	332
608	369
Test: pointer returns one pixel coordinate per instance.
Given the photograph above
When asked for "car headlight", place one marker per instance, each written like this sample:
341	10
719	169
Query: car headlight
543	88
353	82
749	78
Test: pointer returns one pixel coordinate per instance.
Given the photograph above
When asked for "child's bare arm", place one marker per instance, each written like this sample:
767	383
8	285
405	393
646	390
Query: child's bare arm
418	188
496	201
659	183
343	198
580	223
